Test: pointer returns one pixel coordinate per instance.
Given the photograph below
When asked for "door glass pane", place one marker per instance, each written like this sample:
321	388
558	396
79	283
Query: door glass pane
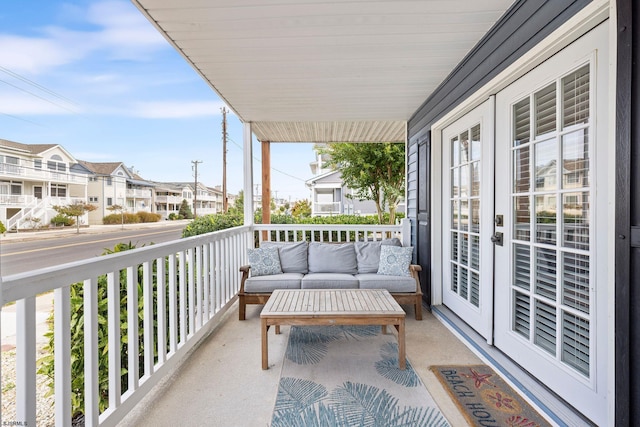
464	147
475	142
546	155
575	159
521	122
454	278
475	216
522	264
454	246
545	327
521	169
575	342
464	249
575	97
475	179
575	214
575	281
522	314
474	288
546	219
455	215
464	214
455	182
545	109
522	218
455	152
464	181
546	273
475	252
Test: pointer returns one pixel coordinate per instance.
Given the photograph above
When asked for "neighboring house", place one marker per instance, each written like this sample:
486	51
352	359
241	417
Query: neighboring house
34	178
329	195
112	183
169	197
206	201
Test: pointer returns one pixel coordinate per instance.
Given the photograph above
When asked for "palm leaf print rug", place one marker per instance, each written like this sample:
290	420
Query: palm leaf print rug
485	399
349	376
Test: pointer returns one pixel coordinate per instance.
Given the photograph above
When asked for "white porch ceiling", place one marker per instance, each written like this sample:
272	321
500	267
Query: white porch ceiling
324	70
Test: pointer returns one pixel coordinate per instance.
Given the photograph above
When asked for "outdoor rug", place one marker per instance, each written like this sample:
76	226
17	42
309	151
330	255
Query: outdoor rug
349	376
485	399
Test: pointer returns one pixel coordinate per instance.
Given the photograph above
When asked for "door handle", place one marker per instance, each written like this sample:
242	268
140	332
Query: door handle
497	238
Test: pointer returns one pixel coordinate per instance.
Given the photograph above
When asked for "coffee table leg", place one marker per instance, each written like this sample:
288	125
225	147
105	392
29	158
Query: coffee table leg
265	349
402	357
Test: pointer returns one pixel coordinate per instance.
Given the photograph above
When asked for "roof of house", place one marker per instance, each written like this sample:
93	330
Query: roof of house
30	148
103	168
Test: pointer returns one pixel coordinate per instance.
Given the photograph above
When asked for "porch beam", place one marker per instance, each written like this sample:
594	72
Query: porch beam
266	182
248	174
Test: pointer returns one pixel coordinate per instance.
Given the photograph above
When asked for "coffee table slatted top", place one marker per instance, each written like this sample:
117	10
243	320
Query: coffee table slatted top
326	302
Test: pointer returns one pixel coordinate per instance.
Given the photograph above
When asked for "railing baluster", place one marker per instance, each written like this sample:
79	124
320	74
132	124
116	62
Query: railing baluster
161	310
26	360
190	292
218	268
91	396
206	304
62	355
132	330
182	315
198	279
147	323
113	334
173	306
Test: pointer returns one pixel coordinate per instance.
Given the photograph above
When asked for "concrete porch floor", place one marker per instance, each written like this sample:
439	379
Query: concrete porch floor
222	383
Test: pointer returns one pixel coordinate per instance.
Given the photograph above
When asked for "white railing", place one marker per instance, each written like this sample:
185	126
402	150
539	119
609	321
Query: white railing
136	192
326	208
169	199
13	199
185	285
10	169
332	233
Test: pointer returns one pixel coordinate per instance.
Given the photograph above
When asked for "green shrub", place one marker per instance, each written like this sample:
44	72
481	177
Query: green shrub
125	218
148	216
209	223
173	216
62	220
3	229
185	210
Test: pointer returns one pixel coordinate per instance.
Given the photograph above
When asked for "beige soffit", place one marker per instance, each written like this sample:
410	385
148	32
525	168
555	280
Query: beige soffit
324	71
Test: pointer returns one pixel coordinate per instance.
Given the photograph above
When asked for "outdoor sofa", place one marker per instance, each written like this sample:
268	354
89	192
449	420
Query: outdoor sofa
383	264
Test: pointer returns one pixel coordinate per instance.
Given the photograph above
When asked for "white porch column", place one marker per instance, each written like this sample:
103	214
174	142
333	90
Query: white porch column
248	174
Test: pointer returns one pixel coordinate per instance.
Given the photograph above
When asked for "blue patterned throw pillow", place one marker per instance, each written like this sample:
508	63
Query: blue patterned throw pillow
264	261
395	261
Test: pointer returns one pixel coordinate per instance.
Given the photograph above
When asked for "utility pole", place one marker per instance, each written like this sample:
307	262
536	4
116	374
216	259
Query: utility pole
225	205
195	187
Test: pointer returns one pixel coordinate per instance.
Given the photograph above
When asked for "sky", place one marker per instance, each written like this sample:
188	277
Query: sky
97	78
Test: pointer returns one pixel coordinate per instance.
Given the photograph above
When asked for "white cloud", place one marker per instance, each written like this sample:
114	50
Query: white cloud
176	109
121	32
14	104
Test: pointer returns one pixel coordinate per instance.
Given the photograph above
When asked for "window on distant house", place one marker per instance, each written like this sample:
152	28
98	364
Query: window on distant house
93	179
109	201
37	163
108	181
58	190
56	164
16	188
93	199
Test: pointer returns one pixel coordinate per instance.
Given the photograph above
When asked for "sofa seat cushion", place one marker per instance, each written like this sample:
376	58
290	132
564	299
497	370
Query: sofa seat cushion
270	283
329	281
390	283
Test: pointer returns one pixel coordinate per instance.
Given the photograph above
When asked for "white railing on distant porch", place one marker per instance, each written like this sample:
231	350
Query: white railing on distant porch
195	281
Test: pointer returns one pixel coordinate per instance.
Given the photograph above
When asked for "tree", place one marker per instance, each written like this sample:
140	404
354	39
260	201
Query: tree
301	209
373	171
75	210
185	210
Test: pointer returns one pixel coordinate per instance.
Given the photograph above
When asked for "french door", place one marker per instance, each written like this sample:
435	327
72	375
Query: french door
467	188
551	184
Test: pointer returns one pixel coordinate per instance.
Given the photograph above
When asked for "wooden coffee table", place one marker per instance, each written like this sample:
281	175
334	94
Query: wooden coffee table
332	307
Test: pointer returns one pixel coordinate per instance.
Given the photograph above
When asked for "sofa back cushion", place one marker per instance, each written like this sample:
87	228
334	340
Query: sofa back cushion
264	261
293	255
368	254
332	258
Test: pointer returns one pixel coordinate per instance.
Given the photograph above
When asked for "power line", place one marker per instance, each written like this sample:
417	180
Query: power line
38	96
37	85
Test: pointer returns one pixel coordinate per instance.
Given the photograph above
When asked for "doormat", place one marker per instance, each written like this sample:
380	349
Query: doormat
339	376
485	399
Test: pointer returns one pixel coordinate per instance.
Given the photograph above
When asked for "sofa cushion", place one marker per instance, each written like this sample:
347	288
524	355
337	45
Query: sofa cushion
390	283
368	254
264	261
329	281
332	258
293	255
395	261
265	284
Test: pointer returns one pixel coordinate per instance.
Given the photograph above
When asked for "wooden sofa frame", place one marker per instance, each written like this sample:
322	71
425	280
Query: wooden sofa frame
410	298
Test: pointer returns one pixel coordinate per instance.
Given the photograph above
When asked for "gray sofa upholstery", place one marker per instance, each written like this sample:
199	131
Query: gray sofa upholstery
315	265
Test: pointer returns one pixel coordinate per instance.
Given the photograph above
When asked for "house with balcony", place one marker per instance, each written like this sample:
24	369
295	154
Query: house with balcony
168	197
112	183
485	95
33	179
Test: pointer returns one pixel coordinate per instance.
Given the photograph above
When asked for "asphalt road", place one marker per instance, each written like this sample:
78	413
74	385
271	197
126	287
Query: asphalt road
18	256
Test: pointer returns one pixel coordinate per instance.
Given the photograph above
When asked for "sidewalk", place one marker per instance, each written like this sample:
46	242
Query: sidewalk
91	229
